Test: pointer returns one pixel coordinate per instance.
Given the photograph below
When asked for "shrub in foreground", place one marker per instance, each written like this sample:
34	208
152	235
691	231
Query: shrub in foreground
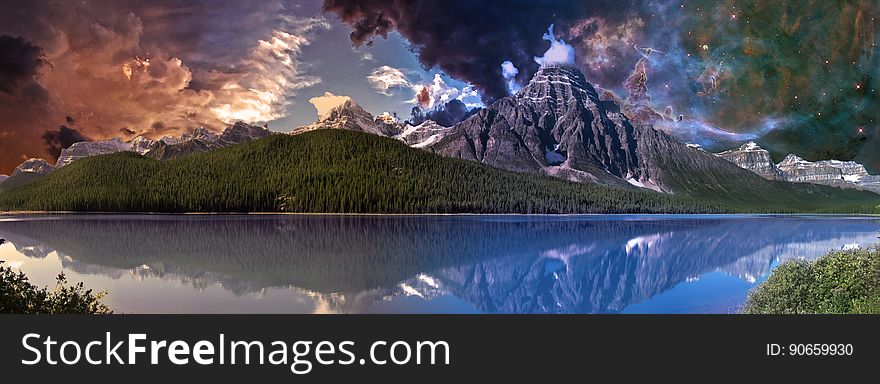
18	295
840	282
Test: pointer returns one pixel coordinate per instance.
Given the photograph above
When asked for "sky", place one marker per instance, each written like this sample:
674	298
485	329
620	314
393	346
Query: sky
797	77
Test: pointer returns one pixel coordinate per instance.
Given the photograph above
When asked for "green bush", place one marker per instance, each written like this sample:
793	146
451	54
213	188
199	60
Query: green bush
840	282
18	295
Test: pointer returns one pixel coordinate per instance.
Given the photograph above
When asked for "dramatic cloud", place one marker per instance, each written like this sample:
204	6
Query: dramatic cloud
605	51
385	79
559	52
509	72
324	104
19	61
62	138
468	39
447	114
262	84
24	103
436	94
146	67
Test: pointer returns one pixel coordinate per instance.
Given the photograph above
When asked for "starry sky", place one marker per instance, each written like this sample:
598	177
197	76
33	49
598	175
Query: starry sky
796	76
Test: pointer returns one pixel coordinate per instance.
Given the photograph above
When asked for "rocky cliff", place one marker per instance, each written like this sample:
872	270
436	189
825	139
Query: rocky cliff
91	148
353	117
560	126
835	173
26	173
202	140
754	158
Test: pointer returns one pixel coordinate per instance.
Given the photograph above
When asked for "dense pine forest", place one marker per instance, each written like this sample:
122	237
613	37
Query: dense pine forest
350	172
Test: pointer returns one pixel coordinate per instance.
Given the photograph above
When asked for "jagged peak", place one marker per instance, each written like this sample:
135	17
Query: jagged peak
751	146
792	159
559	73
349	106
34	165
242	126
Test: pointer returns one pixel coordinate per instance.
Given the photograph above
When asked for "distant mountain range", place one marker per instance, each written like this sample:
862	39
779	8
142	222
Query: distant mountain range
558	126
835	173
200	140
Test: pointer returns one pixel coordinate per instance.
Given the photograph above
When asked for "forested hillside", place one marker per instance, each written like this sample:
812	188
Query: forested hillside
350	172
321	171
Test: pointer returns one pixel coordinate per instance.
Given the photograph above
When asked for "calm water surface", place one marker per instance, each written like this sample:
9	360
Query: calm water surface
421	264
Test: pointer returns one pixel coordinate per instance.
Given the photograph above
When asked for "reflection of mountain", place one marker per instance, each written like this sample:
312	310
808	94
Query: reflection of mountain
496	263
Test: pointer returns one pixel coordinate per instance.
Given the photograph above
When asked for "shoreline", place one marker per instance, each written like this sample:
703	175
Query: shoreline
75	213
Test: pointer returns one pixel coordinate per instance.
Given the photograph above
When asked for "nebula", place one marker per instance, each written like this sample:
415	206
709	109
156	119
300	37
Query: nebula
797	77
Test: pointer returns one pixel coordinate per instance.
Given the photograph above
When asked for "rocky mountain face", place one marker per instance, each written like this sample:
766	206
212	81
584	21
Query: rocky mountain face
754	158
141	144
559	125
3	177
27	172
91	148
835	173
200	140
36	166
353	117
424	134
203	140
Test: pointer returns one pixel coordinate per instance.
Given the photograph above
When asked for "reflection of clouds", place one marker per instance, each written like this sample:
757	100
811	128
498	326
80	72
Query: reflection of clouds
642	244
565	254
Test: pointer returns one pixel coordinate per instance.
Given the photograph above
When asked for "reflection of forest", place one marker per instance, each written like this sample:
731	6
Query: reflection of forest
498	263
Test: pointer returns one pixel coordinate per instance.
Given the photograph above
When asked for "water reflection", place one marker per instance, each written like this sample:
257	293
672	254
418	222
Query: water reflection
496	264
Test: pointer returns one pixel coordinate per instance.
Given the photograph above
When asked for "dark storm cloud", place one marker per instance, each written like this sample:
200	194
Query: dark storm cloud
24	103
446	115
19	61
469	39
112	64
62	138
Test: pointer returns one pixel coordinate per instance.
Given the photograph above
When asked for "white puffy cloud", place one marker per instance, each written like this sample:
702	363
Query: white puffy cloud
558	53
324	104
386	79
438	93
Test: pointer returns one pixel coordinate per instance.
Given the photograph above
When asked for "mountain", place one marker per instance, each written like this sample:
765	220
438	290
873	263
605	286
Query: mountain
351	116
559	125
91	148
322	171
141	144
342	171
200	140
3	178
241	133
203	140
754	158
835	173
423	135
26	173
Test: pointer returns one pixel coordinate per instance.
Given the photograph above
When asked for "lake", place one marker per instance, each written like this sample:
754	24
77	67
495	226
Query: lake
421	264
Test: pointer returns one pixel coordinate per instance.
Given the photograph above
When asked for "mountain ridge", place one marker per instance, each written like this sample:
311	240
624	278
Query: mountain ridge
341	171
325	171
794	169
